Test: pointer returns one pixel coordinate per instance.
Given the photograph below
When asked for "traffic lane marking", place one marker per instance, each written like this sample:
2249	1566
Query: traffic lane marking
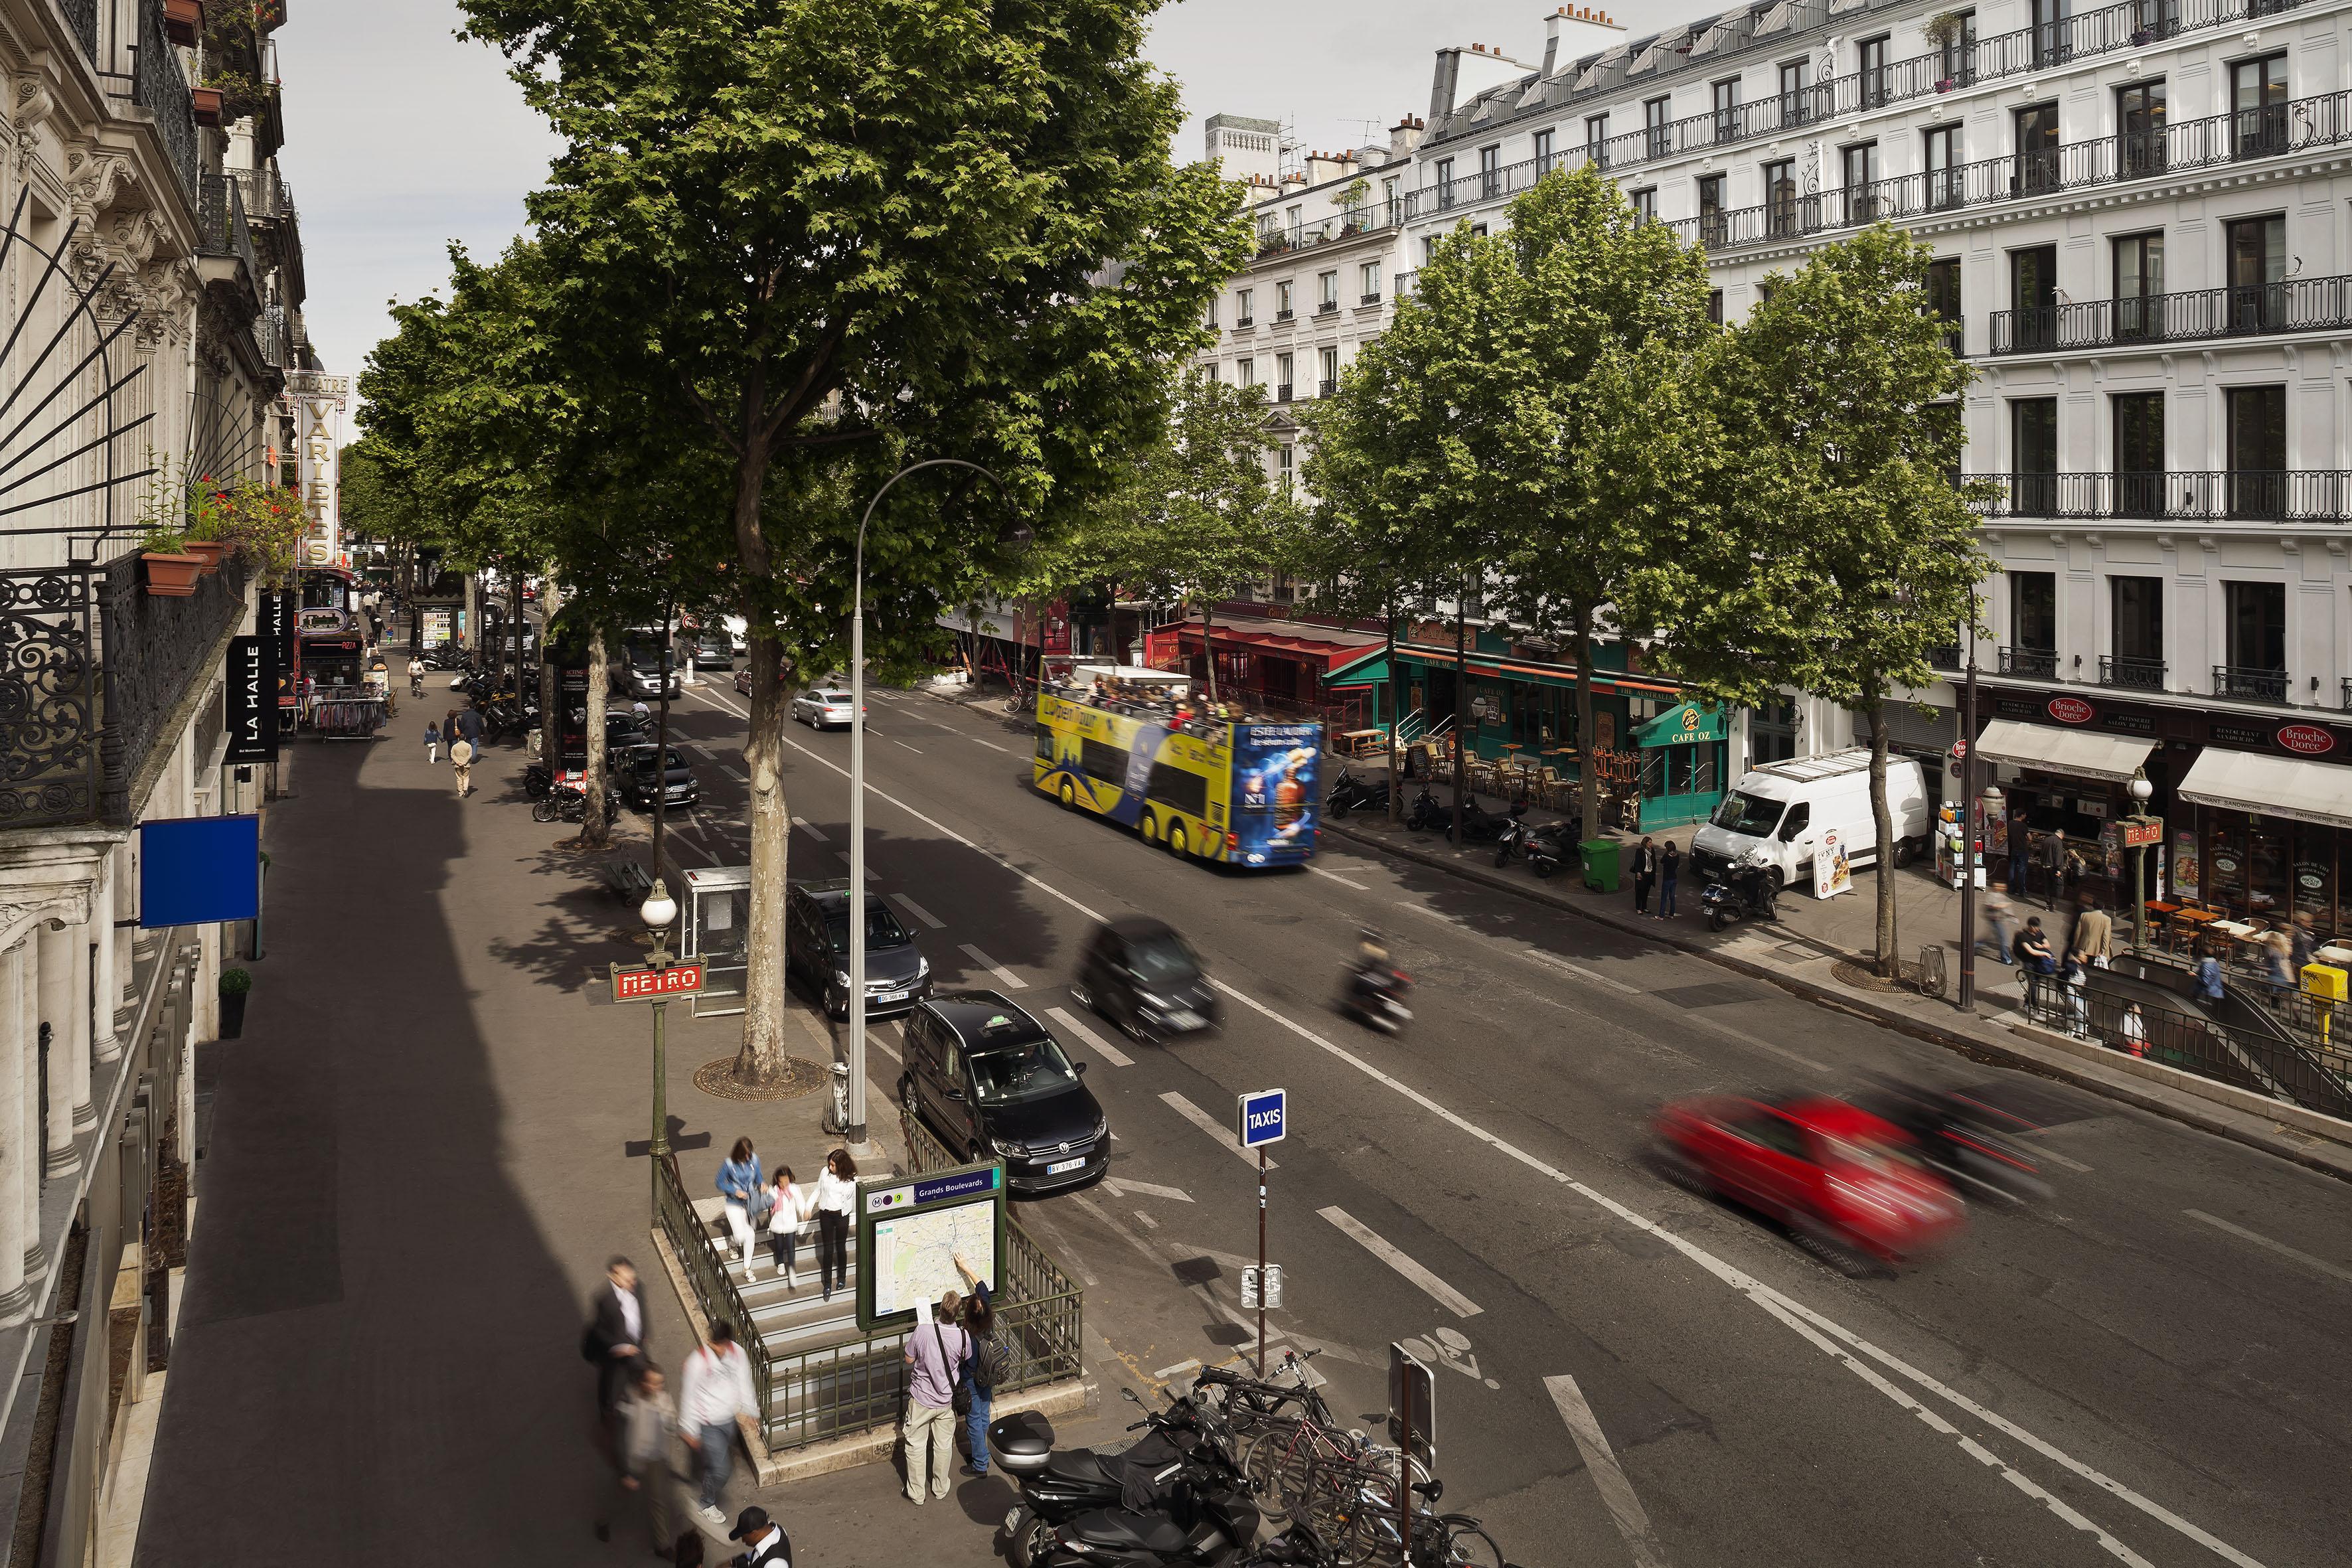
1437	1289
1120	1186
990	745
737	774
1004	976
2043	1152
1607	1475
1101	1047
915	909
1684	1017
874	1038
1335	877
2280	1247
810	828
1224	1136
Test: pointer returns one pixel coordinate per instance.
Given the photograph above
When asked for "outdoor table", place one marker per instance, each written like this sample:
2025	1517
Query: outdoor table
1357	743
2337	955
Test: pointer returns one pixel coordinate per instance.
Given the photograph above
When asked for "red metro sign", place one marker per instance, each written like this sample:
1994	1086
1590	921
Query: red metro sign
2072	711
2309	739
655	985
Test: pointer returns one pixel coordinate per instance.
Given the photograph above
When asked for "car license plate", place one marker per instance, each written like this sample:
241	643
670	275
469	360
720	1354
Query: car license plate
1012	1520
889	997
1059	1166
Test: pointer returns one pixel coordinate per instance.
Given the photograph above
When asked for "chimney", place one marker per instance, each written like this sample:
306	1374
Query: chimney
1404	137
1441	86
1322	166
1572	32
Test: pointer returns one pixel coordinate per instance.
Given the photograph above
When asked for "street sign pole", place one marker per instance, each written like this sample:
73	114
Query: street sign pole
1261	1117
1261	1262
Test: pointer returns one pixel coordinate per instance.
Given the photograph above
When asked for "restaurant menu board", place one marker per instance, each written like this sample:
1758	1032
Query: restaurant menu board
2185	868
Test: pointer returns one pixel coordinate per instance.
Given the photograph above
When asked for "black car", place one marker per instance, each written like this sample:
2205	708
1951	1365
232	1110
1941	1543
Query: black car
638	772
991	1080
1141	975
817	949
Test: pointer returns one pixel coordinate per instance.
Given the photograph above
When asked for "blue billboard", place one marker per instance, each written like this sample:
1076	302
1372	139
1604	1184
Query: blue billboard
194	870
1276	792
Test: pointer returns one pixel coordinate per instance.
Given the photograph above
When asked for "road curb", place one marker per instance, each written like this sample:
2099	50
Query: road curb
2187	1103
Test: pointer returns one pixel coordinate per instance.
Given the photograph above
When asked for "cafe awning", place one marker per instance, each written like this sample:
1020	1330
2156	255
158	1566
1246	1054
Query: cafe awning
2077	753
1683	724
2271	786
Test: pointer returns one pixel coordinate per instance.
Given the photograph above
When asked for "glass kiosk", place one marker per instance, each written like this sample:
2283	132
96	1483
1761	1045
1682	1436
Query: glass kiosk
718	907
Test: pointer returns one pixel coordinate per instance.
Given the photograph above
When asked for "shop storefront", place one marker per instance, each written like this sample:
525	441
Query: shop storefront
1275	663
1682	763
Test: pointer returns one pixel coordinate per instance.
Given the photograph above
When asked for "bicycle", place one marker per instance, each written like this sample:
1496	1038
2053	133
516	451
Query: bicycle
1354	1508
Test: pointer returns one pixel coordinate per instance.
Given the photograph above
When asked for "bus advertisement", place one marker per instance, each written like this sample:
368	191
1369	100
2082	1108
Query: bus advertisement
1245	793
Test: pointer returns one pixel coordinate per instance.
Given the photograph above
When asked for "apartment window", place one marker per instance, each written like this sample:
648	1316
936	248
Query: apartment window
1715	306
1328	382
1478	231
2257	435
1286	460
1941	147
1958	53
1796	92
1780	196
2154	19
2140	129
1241	304
2258	106
1943	296
2136	632
2139	286
1657	138
2254	251
1282	301
1490	173
1428	248
2037	148
1870	58
2255	629
2050	39
1543	153
1446	182
1596	140
1293	219
1645	204
1368	276
1727	108
2033	456
1326	291
1859	166
2033	620
2033	296
1245	372
1710	209
2139	454
1212	311
1282	382
1389	197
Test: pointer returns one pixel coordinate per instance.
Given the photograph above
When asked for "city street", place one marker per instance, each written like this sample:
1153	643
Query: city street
2148	1371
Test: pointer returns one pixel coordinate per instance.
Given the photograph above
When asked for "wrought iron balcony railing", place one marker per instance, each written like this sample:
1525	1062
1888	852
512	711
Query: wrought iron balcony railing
1282	392
2291	305
221	228
2249	684
156	83
2346	701
2130	673
1326	388
1273	239
2033	663
1946	658
2220	495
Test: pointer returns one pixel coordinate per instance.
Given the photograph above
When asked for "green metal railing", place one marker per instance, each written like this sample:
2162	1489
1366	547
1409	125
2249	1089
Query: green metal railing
714	1290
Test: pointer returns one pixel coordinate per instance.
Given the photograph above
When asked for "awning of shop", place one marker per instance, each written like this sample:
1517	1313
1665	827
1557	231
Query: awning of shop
2271	786
1685	724
1605	681
2078	754
1323	647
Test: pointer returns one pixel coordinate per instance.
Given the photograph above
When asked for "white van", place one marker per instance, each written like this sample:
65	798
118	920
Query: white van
1784	807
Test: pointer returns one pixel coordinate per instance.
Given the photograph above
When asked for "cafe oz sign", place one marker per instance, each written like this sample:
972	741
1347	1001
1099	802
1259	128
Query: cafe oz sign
656	984
251	701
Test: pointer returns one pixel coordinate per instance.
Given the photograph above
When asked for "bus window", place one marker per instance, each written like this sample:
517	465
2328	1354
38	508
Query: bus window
1103	760
1174	786
1044	743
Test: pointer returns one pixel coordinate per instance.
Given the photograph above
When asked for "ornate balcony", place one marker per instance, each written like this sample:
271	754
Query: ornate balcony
2219	495
2130	674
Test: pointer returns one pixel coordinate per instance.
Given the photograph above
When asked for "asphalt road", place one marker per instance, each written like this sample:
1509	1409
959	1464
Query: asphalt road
2150	1368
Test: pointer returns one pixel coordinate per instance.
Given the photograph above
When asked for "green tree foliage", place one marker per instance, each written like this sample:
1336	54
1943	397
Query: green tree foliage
1821	544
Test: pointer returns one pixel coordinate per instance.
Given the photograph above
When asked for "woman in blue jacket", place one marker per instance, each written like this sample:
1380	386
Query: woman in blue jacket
740	1185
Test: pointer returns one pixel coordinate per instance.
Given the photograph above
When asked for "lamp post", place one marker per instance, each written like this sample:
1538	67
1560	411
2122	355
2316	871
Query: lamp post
658	910
854	1123
1968	819
2141	790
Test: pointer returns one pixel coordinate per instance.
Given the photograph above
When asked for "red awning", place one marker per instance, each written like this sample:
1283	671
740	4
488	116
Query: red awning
1291	642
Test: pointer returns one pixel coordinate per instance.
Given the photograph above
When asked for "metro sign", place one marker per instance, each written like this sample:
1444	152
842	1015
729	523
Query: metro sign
656	984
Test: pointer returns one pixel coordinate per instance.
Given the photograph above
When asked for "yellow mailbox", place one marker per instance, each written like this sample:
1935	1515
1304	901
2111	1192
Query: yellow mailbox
2324	983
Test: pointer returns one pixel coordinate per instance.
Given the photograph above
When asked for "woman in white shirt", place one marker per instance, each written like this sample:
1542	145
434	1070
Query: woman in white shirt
836	1199
788	1211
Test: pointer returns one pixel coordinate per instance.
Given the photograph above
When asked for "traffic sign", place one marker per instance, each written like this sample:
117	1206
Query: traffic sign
1261	1117
1266	1283
1412	1404
656	984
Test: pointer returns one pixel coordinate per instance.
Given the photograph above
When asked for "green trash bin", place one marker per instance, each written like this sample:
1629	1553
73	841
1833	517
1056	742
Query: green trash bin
1601	864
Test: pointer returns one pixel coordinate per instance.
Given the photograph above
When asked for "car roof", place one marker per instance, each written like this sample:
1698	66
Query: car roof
1140	928
968	1013
832	895
1836	1117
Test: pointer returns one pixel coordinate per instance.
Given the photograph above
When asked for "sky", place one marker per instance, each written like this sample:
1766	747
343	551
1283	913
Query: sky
401	139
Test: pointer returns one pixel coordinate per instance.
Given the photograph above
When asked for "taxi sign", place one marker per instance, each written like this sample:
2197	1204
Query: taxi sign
656	984
1261	1117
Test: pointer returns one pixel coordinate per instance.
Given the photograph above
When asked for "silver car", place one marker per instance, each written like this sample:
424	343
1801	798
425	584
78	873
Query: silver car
821	708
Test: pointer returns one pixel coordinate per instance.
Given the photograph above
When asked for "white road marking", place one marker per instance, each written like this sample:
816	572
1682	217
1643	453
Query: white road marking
1420	909
1335	877
1004	976
1554	960
1444	1295
874	1038
2280	1247
1120	1187
1607	1475
904	747
917	911
992	745
1225	1137
1179	1370
1146	1221
2043	1152
737	774
804	823
1101	1047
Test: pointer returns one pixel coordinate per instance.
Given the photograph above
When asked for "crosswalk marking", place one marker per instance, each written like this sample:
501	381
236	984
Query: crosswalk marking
1004	976
805	827
1444	1295
917	911
1102	1047
1209	1124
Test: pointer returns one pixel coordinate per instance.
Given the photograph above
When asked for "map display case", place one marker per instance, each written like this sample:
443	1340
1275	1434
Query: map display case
909	1230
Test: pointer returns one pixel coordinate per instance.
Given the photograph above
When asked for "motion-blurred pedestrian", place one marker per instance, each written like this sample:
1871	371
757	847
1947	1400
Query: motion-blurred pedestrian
615	1336
715	1388
741	1190
641	1436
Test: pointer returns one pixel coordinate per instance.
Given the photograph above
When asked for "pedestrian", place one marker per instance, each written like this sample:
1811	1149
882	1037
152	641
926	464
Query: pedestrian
2053	867
836	1197
788	1211
1646	874
615	1341
2020	847
449	726
2094	936
461	762
2133	1030
415	676
764	1542
2208	975
987	1364
740	1186
432	742
2033	949
1670	870
2000	925
716	1389
2305	942
641	1430
2278	948
470	724
936	1352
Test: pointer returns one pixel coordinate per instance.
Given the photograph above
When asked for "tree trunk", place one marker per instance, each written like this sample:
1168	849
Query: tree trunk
1882	820
1396	718
551	692
471	637
762	1056
600	670
1207	647
1588	770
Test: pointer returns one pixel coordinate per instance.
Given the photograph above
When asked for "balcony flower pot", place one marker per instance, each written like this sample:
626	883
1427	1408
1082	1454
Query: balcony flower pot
236	985
172	575
207	104
184	21
210	551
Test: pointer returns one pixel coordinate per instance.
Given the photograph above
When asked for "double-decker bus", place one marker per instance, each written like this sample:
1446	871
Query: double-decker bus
1245	793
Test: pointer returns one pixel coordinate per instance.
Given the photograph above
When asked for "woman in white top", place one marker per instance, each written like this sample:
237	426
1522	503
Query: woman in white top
788	1211
836	1198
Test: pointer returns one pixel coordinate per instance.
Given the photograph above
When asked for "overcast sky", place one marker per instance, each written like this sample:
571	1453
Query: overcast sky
400	139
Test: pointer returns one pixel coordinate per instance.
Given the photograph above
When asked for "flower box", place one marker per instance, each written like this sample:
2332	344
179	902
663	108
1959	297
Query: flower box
208	105
209	550
171	576
184	21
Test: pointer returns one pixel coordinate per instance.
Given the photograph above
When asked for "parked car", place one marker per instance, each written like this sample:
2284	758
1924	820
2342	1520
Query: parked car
822	707
990	1079
638	774
1852	1186
1137	973
817	949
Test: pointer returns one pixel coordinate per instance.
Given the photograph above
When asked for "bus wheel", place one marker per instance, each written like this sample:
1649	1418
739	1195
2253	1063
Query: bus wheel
1177	845
1149	828
1069	795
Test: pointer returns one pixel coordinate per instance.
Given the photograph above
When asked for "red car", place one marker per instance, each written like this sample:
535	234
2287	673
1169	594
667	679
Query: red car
1850	1185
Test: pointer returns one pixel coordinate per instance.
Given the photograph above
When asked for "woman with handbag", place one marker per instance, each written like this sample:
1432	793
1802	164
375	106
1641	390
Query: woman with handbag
836	1196
740	1186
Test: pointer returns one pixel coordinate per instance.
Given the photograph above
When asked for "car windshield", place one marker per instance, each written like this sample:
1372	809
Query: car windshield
1035	1069
643	759
1163	958
1753	814
882	929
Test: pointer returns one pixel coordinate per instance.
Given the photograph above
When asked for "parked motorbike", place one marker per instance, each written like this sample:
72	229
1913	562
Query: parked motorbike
1206	1520
569	802
1352	794
1740	892
1058	1486
538	780
1480	825
1427	816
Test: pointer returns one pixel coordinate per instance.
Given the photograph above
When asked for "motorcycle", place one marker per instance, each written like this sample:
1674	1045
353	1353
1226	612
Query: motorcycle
1738	894
1060	1485
1373	995
1426	814
1480	825
538	780
1206	1520
570	803
1352	794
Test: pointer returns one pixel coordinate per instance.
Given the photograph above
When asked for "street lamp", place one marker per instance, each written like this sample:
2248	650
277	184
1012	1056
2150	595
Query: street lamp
2140	822
853	1123
658	910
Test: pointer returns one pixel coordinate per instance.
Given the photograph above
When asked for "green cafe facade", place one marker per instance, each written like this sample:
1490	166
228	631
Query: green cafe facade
1520	701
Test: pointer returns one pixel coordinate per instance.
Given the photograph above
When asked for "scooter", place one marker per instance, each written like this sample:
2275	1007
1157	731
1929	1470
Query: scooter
1060	1484
1373	995
1352	794
1426	813
1737	895
1206	1520
1545	850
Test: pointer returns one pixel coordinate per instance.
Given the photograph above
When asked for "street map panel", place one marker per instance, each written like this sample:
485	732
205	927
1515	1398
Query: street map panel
914	1255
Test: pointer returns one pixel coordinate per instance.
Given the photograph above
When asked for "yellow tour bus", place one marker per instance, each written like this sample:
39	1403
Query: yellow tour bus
1242	793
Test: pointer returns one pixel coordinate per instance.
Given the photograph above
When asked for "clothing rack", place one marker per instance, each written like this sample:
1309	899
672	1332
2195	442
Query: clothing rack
346	713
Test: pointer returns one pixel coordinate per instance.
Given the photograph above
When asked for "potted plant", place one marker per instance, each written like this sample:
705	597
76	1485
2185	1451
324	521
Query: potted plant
1942	32
184	21
171	572
236	985
208	102
1351	206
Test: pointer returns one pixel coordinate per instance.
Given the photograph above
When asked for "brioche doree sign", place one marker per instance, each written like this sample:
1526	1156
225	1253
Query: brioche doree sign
656	984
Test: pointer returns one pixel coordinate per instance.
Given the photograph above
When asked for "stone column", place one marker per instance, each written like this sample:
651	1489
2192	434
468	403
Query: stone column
26	1206
15	1069
106	1043
79	1018
126	938
60	954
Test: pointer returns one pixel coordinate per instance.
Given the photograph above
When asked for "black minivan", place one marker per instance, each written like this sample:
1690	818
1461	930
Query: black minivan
1141	975
992	1080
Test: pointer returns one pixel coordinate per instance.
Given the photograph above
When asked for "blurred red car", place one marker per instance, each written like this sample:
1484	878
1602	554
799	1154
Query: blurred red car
1849	1185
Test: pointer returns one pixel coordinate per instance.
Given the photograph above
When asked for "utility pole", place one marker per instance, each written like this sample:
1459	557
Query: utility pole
1969	833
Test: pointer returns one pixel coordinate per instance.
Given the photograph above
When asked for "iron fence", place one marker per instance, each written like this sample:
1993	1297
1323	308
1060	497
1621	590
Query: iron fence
2244	495
2280	1067
48	698
2034	664
163	92
2135	674
221	228
82	15
706	1273
2249	683
150	650
2289	305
